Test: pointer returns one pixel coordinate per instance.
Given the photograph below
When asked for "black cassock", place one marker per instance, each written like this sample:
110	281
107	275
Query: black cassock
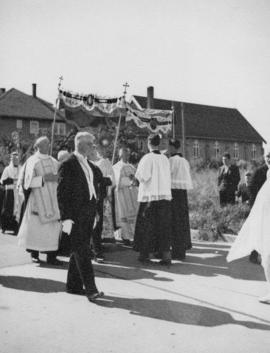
181	239
153	227
8	221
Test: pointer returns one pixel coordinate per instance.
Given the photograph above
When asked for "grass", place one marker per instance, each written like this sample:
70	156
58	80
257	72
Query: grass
206	215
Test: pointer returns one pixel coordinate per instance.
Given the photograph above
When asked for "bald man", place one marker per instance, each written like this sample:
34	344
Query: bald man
40	227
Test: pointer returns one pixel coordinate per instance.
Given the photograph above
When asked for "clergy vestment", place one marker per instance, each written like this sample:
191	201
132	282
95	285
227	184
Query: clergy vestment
181	182
254	234
104	228
126	199
153	224
40	227
9	211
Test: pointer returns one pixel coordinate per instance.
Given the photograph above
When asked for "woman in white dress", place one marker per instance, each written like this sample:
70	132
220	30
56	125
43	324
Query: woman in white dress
255	233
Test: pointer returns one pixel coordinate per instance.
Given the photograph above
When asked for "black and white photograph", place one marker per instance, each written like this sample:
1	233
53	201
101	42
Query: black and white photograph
135	176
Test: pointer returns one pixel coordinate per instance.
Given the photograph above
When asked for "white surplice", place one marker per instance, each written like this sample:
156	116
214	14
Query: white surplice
126	199
154	175
180	173
40	226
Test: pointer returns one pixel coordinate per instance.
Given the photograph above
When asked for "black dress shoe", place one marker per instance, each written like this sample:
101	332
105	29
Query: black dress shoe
54	262
157	255
144	260
127	242
35	260
77	292
178	257
165	262
94	296
99	260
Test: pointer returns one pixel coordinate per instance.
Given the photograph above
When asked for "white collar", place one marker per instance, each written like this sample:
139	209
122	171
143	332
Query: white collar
80	156
42	155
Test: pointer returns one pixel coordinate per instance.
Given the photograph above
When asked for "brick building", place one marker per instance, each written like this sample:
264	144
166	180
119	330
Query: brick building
209	131
28	115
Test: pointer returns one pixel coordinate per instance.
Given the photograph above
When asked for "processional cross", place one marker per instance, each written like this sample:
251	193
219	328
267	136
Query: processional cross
61	78
126	85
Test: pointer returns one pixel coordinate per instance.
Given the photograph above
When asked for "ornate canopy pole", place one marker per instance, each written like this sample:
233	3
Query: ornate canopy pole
125	85
55	112
183	129
173	120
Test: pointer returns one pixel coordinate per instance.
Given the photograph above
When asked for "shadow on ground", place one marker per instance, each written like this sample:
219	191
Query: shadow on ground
160	309
202	260
39	285
177	312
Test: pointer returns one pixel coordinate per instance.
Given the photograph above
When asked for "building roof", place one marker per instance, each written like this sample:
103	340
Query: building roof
16	104
207	122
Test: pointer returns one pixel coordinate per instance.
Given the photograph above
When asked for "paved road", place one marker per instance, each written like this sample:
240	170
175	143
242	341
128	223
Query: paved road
200	305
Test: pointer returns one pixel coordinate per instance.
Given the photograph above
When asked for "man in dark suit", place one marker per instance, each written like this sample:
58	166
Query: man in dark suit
228	180
77	196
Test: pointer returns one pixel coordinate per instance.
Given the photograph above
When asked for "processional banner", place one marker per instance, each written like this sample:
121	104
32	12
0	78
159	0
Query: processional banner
86	107
152	119
95	106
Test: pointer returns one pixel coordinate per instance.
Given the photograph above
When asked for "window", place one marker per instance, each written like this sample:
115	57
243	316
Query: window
217	150
60	129
236	151
19	124
34	127
196	149
253	152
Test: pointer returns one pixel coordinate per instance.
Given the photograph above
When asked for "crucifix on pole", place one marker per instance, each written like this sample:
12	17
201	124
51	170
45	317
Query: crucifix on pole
125	85
55	111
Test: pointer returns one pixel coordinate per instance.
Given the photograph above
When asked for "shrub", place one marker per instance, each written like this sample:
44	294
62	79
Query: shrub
206	215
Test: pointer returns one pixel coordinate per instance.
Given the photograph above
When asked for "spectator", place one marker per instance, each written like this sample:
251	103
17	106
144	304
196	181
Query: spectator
243	190
228	180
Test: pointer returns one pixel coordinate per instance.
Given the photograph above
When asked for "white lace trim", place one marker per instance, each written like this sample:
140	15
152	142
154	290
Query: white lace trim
155	198
181	184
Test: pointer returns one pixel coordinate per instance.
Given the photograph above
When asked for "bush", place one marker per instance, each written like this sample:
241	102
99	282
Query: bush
206	215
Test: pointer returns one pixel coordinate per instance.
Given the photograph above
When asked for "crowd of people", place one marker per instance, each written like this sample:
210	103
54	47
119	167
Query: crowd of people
81	200
76	203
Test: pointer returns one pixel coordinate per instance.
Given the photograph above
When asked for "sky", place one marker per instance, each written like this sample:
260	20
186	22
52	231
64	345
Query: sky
214	52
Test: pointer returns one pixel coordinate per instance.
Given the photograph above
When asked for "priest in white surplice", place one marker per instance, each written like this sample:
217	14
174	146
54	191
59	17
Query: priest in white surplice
181	182
153	224
126	195
40	227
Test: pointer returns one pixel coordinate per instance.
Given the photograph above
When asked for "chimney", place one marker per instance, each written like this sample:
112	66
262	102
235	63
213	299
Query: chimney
34	90
2	91
150	97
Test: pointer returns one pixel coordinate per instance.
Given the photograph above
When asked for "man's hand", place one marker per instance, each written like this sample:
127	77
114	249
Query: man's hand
67	226
50	178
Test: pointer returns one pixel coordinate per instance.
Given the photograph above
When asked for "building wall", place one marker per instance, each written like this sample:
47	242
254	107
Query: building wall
208	150
8	125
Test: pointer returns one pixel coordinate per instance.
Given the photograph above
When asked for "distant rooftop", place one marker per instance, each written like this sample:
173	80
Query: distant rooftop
209	122
16	104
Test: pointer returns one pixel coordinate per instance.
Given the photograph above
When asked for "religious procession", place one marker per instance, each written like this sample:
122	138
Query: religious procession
96	189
